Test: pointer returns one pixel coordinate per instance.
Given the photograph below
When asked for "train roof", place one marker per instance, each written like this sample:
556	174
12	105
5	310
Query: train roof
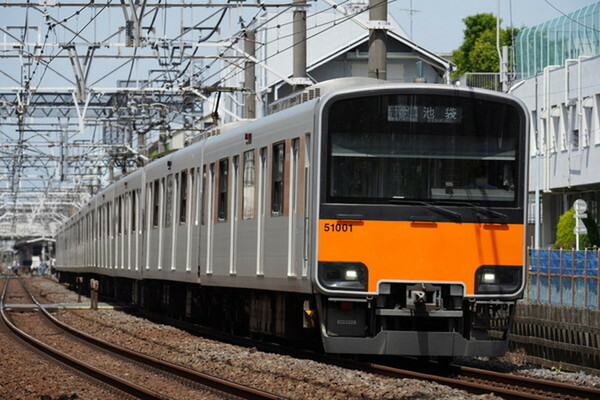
301	101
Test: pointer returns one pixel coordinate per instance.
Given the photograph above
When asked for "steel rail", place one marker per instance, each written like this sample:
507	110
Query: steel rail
505	385
102	376
560	388
219	384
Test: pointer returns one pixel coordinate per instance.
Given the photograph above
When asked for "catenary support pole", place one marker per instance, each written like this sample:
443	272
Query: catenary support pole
299	71
250	76
378	39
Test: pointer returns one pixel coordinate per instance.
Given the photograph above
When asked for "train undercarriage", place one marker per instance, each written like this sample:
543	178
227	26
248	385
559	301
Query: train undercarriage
405	319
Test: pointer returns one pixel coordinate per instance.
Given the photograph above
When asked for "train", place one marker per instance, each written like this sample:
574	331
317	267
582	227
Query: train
373	218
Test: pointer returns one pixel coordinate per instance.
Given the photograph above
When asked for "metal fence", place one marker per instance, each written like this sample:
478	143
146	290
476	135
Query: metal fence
569	36
484	80
566	278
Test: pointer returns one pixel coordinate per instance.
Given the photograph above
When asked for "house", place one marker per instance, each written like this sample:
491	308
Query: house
337	46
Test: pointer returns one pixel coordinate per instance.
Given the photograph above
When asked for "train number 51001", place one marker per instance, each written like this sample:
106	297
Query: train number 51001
337	227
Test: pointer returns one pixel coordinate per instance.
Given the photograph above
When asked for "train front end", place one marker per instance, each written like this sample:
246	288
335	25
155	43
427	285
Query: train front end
420	235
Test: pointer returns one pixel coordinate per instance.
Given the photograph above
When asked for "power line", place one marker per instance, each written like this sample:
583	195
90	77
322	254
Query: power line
333	24
572	19
53	57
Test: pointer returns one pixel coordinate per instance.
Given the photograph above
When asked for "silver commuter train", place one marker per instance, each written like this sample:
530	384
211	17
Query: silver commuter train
282	226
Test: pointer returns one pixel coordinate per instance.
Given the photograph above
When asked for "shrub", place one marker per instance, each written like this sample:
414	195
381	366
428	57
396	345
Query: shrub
565	238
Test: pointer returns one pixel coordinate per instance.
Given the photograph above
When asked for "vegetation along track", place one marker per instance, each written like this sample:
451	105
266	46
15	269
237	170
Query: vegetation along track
146	377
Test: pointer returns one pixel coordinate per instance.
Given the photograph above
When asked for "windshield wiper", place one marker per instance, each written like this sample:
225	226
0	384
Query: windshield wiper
430	206
479	209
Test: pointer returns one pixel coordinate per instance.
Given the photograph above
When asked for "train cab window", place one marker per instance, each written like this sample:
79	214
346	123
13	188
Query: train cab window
183	196
169	200
277	179
155	203
392	149
249	182
223	186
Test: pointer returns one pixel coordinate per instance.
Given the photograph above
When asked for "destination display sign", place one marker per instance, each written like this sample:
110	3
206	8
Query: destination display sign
425	114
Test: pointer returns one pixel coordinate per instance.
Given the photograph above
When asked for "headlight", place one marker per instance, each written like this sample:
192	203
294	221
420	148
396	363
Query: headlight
343	275
498	279
488	278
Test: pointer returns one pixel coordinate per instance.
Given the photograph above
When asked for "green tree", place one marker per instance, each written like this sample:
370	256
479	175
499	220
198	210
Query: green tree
565	238
478	52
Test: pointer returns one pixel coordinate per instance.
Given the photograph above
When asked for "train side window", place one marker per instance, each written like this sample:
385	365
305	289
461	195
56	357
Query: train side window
193	205
223	186
249	182
133	210
119	214
169	200
108	221
183	196
193	215
126	212
262	182
295	177
235	187
202	194
115	215
142	218
277	179
155	203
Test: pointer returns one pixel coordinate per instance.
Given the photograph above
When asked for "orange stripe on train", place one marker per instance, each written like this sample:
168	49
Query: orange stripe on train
421	251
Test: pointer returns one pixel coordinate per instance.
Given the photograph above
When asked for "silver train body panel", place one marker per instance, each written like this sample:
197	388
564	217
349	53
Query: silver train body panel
265	252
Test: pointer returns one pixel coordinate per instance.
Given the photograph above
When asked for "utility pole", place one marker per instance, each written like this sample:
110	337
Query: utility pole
378	39
250	75
299	40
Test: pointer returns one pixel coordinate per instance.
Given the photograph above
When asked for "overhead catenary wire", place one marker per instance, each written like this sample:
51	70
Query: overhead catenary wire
75	29
569	17
278	26
53	57
237	37
333	24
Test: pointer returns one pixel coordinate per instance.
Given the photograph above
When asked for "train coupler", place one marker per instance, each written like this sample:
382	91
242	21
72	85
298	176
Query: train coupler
424	297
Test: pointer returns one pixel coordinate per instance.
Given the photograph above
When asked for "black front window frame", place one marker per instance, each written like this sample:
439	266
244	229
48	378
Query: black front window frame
423	146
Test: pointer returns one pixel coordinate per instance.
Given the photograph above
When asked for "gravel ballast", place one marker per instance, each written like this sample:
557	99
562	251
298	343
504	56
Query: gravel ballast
284	375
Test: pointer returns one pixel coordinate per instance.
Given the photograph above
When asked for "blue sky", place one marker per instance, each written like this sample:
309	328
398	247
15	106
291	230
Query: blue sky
438	25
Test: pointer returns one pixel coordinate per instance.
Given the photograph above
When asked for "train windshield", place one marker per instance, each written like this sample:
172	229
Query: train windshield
423	147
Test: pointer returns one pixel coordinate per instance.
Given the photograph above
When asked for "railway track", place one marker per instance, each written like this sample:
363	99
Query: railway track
472	380
135	374
469	379
507	386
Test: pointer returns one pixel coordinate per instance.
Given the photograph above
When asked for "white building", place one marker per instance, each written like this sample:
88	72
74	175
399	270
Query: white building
560	63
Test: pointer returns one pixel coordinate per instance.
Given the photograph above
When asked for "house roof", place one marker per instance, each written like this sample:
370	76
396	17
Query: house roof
329	34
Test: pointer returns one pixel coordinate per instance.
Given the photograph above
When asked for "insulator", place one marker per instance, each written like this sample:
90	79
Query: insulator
129	33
